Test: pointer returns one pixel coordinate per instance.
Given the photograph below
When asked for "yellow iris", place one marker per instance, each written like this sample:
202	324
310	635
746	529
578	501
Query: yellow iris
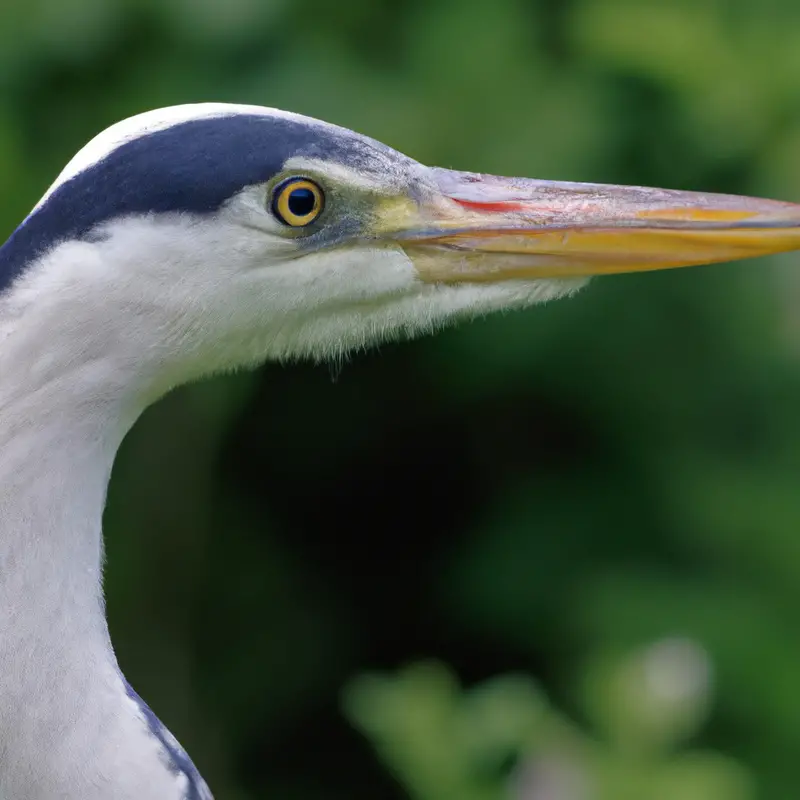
298	202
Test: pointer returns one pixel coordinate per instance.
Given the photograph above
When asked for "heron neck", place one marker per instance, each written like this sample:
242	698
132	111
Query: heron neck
54	469
69	727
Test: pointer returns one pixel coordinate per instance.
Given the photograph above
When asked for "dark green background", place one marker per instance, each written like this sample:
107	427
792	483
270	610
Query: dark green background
544	493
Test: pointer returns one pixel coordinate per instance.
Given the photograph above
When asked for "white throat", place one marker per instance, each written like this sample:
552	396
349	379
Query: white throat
69	727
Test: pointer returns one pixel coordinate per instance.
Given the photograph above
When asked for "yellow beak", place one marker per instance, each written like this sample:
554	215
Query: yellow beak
484	228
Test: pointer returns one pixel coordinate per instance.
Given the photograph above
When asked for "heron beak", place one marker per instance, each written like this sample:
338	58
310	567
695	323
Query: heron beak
485	228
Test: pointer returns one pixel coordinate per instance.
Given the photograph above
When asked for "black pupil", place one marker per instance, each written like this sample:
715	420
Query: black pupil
301	201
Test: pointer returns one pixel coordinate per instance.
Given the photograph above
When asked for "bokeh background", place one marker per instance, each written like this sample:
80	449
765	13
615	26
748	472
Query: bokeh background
547	556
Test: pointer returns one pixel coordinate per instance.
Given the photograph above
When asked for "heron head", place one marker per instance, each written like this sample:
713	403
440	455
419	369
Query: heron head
226	235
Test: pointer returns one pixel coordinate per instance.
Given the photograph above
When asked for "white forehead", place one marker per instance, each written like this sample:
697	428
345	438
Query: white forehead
152	121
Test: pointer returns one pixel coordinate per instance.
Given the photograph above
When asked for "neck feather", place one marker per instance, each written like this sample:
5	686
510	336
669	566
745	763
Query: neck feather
70	726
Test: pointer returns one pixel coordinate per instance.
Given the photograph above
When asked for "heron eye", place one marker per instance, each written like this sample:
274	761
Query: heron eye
297	202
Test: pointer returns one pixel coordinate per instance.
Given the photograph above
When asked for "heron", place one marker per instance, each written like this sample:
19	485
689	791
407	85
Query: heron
202	238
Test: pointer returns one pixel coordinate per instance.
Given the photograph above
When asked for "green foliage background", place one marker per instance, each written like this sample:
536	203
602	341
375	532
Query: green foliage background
547	556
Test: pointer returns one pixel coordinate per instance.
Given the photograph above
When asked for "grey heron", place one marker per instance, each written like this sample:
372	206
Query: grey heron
198	239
